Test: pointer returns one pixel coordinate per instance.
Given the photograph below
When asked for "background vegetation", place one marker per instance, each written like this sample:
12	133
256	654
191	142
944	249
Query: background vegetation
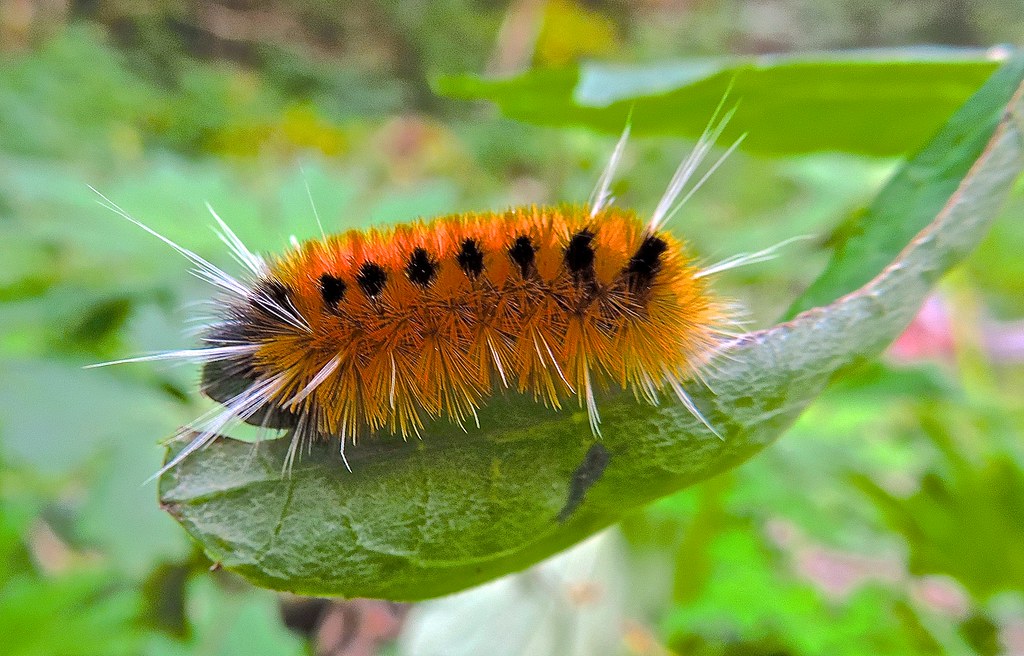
889	520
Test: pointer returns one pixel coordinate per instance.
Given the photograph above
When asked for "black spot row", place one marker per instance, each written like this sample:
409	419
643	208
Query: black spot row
579	258
422	268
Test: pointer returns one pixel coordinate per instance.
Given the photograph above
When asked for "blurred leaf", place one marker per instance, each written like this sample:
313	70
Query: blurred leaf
875	103
880	381
952	519
103	321
752	604
915	194
421	519
244	622
693	566
85	611
117	512
982	635
20	504
80	614
163	594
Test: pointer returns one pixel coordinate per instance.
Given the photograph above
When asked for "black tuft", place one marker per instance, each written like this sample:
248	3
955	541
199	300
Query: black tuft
371	279
579	255
645	263
332	289
522	253
422	269
471	258
223	380
271	296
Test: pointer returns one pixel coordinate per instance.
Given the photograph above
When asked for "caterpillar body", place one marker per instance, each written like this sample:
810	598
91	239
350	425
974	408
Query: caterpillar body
379	331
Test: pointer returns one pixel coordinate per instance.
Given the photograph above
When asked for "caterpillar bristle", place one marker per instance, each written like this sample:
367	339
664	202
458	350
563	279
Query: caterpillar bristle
203	269
186	355
667	207
744	259
601	197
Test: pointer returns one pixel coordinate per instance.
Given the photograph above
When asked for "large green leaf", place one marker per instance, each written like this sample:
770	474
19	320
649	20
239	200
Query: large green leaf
913	196
432	516
876	103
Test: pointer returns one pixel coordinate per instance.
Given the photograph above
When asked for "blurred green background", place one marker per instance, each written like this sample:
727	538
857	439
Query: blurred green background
889	520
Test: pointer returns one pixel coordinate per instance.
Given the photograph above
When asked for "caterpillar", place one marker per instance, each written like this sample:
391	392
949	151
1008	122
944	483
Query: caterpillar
379	331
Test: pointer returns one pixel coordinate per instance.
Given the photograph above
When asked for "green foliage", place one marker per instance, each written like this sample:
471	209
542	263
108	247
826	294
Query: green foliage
51	103
749	600
79	613
849	532
869	240
874	104
982	500
416	520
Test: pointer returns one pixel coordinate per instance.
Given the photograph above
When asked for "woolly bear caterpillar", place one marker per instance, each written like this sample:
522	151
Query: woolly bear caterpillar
375	331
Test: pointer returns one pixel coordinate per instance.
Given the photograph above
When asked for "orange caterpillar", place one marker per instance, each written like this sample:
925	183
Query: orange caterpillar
427	319
379	331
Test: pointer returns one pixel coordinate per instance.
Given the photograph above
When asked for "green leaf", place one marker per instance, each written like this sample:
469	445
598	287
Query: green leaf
77	614
965	496
875	103
432	516
986	503
915	194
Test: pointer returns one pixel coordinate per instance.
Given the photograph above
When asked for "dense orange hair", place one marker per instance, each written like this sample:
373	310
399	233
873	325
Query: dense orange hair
427	319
